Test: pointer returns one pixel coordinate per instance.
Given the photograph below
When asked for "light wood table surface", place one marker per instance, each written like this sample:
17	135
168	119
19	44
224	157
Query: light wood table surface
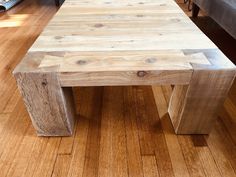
117	42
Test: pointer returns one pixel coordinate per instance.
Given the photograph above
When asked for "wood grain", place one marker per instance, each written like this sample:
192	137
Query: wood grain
149	166
176	155
22	153
193	108
61	166
134	159
117	43
51	108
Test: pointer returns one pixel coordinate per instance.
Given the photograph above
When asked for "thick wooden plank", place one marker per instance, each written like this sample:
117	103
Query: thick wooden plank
193	108
51	108
124	78
122	61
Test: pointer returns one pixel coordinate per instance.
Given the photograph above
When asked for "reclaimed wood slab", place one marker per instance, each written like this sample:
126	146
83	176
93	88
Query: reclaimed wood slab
111	43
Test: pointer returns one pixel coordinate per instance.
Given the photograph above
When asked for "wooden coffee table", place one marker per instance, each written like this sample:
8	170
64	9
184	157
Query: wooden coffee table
111	43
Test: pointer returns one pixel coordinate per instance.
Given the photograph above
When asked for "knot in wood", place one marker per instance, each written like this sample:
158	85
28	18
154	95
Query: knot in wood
139	15
81	62
98	25
58	37
151	60
141	73
44	83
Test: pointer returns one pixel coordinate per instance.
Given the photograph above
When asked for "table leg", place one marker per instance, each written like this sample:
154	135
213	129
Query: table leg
51	107
193	107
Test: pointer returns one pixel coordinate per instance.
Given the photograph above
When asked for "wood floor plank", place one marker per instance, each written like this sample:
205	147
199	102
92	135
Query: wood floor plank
222	149
47	158
231	108
150	166
37	151
11	104
191	156
229	122
78	153
133	148
19	41
3	120
6	93
119	146
66	145
144	122
232	93
161	151
176	155
93	138
113	159
11	137
208	162
79	150
24	152
62	165
106	150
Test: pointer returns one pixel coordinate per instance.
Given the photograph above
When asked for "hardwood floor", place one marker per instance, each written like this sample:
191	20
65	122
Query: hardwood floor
120	131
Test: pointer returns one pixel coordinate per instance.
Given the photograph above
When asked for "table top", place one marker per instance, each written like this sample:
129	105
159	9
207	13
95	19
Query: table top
119	35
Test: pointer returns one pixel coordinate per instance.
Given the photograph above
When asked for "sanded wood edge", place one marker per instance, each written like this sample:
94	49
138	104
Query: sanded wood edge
193	107
50	106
